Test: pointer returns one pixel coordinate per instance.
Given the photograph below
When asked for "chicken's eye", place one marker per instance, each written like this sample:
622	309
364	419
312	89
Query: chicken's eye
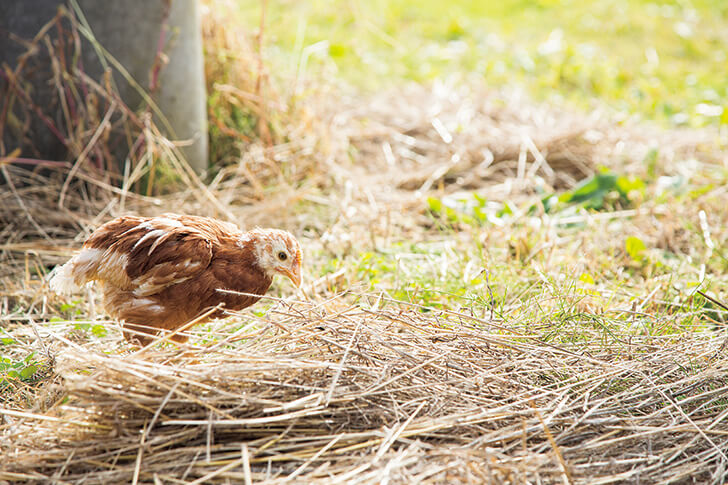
282	256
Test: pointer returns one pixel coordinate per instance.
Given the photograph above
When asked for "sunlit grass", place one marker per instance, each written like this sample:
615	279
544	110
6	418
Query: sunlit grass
576	269
654	60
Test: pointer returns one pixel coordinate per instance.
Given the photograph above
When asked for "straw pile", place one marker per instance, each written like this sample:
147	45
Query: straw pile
487	133
326	393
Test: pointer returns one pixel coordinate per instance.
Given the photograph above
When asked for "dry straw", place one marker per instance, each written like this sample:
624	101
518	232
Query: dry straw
330	393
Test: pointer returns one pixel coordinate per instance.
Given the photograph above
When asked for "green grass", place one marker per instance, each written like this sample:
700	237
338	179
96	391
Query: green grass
19	368
654	60
577	281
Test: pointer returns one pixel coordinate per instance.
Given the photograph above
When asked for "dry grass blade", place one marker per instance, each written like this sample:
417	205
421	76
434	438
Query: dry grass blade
712	300
567	474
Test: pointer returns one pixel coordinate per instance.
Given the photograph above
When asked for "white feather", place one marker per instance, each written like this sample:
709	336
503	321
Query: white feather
167	221
64	279
61	279
114	261
150	234
147	304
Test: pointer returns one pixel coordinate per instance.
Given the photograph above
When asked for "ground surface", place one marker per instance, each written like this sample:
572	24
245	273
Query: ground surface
497	289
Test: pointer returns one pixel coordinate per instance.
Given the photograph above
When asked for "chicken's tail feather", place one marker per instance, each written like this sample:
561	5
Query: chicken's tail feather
61	279
78	271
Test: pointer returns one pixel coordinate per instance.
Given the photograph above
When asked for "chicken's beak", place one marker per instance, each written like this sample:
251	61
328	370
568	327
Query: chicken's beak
295	276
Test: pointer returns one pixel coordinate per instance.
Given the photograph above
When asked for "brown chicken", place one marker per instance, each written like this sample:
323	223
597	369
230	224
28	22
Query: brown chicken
160	273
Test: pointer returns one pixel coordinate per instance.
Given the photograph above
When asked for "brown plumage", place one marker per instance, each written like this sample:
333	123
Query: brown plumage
162	272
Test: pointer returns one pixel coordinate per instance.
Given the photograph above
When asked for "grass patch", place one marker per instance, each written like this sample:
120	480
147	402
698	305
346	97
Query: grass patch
661	61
